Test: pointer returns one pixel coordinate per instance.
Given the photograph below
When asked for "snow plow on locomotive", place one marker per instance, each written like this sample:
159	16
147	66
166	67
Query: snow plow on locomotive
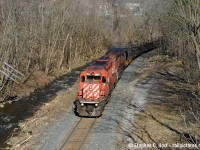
98	80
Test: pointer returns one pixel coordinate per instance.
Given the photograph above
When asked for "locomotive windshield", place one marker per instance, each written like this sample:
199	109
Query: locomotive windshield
100	63
95	78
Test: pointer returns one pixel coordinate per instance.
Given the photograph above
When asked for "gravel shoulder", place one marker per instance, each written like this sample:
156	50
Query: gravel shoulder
53	122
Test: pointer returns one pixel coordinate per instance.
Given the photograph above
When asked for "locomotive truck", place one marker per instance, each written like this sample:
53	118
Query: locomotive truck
98	80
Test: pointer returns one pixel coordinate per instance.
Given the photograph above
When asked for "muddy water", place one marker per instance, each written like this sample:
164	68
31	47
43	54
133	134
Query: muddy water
13	113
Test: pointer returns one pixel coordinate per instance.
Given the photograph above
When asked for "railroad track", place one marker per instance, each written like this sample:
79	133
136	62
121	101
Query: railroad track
78	136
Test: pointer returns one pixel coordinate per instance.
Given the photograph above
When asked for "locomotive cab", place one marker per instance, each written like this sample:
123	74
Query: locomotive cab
96	83
93	89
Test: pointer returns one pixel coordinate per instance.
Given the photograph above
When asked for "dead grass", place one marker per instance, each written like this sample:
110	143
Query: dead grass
153	130
163	120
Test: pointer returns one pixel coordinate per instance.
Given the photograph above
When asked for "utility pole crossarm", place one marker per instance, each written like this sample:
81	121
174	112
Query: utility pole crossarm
14	69
9	77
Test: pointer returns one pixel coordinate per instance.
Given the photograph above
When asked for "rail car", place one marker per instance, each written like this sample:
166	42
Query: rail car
98	80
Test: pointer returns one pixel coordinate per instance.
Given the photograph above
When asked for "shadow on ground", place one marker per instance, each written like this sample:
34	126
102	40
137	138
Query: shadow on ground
173	95
25	107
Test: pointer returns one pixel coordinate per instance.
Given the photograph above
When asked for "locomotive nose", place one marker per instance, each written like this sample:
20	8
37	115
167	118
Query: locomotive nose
91	91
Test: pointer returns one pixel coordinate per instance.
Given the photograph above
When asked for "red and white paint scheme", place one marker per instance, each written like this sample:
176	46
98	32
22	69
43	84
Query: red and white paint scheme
91	91
97	81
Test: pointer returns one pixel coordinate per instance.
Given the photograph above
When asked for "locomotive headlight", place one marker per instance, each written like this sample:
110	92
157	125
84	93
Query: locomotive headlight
82	104
96	105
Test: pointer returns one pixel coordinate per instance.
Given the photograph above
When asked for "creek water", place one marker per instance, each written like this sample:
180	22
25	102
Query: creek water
12	114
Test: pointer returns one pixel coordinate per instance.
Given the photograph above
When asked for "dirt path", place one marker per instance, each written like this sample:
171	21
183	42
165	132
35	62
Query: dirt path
55	120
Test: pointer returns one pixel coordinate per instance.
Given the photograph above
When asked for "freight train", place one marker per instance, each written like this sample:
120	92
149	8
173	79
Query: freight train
97	81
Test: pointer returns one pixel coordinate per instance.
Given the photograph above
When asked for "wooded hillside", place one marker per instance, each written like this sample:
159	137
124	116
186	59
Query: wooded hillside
44	38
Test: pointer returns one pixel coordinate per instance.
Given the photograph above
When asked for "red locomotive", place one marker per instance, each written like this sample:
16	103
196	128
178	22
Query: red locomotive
98	80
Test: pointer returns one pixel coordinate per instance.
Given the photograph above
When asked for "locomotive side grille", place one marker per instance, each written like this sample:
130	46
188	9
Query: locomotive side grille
91	91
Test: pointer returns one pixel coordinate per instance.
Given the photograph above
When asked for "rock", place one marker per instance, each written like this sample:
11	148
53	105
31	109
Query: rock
1	100
130	145
1	105
30	132
130	140
9	102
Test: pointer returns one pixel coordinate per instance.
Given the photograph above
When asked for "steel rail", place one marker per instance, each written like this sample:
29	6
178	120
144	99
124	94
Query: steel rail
83	133
87	134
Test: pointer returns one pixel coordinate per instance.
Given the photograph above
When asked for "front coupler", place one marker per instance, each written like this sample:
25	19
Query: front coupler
89	109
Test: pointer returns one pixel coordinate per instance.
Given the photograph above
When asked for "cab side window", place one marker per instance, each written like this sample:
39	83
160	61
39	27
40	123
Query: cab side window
104	79
82	78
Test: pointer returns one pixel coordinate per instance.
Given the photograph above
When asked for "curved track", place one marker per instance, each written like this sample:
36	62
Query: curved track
78	136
